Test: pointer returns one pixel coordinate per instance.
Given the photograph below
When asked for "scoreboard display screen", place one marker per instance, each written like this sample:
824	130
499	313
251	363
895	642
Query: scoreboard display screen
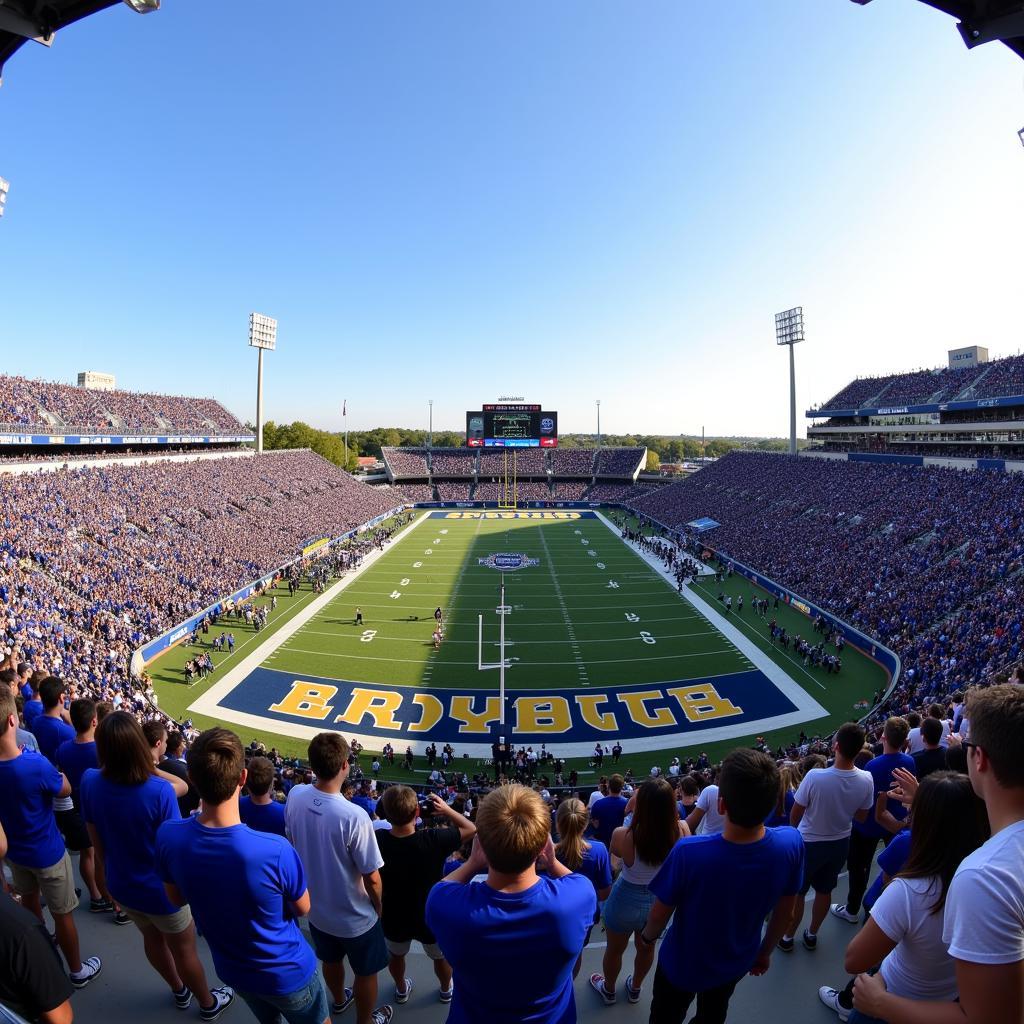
512	426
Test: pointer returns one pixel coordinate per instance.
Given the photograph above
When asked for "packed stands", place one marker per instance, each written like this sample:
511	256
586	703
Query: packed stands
450	491
418	492
45	405
525	490
406	462
570	490
448	462
528	461
573	462
1004	377
619	462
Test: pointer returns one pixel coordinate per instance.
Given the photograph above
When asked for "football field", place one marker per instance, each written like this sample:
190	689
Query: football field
600	647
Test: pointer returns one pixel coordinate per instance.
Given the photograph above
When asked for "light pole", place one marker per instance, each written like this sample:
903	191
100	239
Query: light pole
4	189
789	329
430	424
599	423
262	336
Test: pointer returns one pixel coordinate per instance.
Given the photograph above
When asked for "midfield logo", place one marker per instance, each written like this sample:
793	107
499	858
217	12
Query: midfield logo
507	562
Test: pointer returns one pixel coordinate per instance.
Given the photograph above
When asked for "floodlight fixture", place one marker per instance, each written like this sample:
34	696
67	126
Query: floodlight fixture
263	338
4	189
789	330
143	6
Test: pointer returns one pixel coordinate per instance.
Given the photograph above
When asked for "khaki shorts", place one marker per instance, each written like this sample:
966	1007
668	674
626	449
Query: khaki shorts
432	949
56	883
168	924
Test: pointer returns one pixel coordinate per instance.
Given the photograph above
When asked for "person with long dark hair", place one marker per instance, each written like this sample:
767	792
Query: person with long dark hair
642	847
124	802
904	931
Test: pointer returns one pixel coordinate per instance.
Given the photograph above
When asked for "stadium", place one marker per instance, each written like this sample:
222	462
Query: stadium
515	620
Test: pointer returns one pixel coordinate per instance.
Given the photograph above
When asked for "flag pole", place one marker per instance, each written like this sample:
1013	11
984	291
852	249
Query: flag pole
344	419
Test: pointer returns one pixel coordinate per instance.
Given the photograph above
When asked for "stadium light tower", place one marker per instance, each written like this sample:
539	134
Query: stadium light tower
1020	135
4	189
789	329
262	336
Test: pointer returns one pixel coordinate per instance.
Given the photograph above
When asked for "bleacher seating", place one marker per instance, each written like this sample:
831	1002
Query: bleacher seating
449	462
528	462
619	462
406	462
525	490
573	462
451	491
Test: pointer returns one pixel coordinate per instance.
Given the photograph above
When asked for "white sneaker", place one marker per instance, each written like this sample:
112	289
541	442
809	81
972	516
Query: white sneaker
839	910
830	997
403	997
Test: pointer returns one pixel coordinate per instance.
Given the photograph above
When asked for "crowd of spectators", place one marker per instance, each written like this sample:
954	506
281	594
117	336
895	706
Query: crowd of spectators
573	462
449	462
418	492
523	490
569	490
619	462
451	491
42	404
411	462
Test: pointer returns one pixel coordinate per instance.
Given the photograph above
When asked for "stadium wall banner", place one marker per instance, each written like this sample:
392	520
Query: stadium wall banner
534	716
903	410
118	439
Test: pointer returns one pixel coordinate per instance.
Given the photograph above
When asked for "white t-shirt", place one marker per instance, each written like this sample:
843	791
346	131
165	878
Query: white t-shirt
594	797
915	741
712	823
832	797
984	921
335	842
920	967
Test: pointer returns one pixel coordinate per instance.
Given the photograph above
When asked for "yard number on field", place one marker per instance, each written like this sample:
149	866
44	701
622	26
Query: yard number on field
632	617
613	584
395	595
647	638
368	635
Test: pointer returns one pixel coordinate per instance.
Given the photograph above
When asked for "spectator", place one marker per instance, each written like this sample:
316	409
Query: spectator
259	810
932	756
826	803
124	804
336	842
642	847
413	864
606	814
706	819
532	925
983	921
36	855
211	861
721	887
174	764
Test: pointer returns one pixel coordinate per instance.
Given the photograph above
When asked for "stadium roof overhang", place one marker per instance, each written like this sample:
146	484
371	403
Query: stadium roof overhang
40	20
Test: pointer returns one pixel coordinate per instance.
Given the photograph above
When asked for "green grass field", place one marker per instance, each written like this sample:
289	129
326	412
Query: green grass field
569	626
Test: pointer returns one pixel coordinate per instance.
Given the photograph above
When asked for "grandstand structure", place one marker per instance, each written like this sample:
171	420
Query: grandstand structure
970	412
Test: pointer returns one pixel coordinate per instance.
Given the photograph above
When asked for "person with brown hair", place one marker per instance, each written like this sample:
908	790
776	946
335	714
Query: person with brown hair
642	847
532	925
413	864
259	810
124	802
211	861
983	920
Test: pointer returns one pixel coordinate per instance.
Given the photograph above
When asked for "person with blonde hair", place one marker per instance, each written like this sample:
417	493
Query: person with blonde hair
532	925
587	857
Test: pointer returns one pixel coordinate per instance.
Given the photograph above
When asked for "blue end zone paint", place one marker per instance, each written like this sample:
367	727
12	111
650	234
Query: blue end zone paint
537	716
551	515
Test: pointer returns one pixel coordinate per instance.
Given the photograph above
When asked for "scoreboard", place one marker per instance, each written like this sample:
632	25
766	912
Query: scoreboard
512	425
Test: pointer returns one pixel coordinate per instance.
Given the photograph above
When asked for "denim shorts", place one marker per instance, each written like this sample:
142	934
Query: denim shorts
627	907
307	1005
367	953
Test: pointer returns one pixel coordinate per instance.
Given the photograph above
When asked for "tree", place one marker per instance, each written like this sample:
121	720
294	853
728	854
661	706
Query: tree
653	461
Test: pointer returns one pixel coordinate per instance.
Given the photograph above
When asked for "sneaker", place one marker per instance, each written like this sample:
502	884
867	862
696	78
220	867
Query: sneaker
90	969
341	1007
597	984
830	997
120	917
222	999
810	941
786	945
382	1015
839	910
403	996
632	994
445	995
100	906
183	998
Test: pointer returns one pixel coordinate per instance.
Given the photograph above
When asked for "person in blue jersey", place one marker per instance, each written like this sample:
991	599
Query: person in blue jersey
33	705
259	810
607	813
39	863
124	803
720	887
513	939
866	834
588	857
52	727
246	891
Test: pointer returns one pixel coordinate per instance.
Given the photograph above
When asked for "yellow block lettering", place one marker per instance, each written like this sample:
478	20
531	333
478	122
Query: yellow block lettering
474	721
700	703
380	705
308	700
603	720
542	714
432	708
636	705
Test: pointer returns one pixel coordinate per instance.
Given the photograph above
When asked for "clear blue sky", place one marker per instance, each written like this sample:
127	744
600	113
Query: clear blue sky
569	201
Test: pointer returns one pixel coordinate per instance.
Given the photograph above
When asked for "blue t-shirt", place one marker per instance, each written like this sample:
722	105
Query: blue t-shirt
597	865
779	820
262	817
256	947
890	861
127	819
535	937
31	710
367	803
608	813
881	769
722	893
28	784
74	760
50	733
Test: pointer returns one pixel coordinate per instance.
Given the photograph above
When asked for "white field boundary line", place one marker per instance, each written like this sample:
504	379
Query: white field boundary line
807	708
208	702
